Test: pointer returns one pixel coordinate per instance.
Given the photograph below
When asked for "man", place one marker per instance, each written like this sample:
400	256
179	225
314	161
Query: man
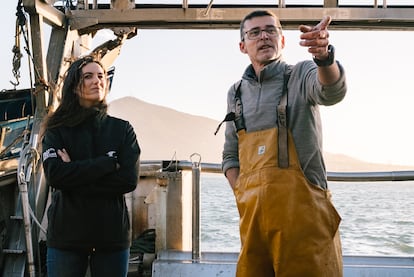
272	153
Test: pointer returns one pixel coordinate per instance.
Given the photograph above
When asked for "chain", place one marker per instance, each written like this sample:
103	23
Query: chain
21	30
17	54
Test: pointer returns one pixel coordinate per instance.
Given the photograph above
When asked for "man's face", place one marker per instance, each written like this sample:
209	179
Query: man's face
261	43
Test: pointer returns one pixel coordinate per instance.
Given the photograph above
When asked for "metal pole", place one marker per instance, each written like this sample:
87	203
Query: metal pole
185	4
196	209
26	222
24	173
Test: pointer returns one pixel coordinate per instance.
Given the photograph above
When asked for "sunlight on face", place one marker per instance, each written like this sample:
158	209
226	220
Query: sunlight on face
264	47
94	85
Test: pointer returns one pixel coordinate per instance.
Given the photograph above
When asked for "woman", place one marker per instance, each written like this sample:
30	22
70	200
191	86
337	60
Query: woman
90	161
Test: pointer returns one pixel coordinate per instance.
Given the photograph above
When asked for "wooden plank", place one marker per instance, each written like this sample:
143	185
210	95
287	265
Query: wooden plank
229	18
52	16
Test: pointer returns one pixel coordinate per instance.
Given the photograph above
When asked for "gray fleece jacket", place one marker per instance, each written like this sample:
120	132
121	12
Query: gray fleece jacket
260	96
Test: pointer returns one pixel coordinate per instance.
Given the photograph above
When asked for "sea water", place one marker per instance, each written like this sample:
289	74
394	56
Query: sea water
377	217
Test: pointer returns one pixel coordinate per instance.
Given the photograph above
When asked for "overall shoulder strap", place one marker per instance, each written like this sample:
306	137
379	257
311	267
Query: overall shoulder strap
283	150
238	114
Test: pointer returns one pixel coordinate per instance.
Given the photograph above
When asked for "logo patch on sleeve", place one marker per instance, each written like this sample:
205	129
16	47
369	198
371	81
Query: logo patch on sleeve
49	153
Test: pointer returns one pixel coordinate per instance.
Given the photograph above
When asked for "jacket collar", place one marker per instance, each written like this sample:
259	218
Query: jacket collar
270	71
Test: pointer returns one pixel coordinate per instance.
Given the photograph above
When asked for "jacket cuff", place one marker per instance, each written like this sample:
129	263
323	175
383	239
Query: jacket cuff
229	164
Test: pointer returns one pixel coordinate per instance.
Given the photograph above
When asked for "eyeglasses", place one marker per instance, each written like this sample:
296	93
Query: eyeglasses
255	33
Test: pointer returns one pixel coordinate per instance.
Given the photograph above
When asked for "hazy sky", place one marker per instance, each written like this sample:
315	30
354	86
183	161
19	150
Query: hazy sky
191	71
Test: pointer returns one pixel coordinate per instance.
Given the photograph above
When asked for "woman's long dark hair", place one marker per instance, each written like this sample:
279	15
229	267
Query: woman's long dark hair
69	112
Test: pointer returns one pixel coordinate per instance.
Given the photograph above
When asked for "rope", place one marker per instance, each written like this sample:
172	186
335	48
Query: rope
13	143
33	160
173	161
33	216
34	154
207	10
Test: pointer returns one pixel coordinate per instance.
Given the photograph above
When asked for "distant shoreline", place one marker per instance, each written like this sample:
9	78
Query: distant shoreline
166	134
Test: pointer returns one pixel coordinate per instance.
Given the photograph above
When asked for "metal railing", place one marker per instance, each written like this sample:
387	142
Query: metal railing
197	167
372	176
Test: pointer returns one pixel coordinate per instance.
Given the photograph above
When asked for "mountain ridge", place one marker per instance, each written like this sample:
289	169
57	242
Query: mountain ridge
167	134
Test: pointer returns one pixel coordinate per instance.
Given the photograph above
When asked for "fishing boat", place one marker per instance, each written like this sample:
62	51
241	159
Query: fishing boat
165	208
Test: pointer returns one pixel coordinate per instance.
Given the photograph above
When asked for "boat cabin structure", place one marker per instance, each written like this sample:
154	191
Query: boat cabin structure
163	188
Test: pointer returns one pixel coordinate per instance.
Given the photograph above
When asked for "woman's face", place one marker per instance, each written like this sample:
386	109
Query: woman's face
94	85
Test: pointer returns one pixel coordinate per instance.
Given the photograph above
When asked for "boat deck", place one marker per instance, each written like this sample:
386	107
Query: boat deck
223	264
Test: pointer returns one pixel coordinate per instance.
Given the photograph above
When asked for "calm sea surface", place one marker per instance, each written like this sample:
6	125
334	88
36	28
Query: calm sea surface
377	218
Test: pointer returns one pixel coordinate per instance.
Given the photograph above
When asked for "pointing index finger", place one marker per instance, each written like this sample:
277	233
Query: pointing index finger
324	23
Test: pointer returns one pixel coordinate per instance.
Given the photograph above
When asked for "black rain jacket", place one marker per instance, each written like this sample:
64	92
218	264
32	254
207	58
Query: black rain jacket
88	209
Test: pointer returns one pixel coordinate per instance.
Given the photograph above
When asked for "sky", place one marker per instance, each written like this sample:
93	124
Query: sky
191	71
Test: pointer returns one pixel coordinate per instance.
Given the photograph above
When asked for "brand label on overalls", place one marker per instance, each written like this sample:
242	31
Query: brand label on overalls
261	149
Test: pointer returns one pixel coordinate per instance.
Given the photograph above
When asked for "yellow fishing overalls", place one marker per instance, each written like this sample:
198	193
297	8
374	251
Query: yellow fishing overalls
288	227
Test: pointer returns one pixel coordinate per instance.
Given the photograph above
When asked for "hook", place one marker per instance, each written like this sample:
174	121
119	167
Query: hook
199	158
